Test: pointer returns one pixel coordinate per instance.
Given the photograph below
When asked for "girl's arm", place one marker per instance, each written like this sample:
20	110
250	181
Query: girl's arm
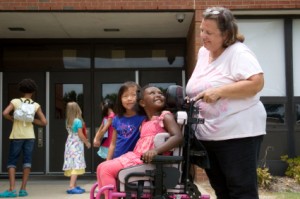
173	141
6	113
96	142
83	138
100	133
112	146
42	121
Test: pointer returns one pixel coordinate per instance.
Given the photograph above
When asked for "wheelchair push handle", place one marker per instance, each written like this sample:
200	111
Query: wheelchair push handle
163	159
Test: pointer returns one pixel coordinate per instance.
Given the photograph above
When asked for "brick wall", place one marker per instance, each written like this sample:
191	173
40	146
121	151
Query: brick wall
200	175
143	4
193	43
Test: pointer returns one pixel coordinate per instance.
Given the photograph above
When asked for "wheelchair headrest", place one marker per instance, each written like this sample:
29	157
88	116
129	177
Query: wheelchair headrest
174	98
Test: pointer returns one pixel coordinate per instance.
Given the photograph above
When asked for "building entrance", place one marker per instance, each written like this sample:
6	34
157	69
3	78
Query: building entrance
88	88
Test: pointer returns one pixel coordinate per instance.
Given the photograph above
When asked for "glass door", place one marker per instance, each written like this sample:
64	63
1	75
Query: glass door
65	87
88	89
106	85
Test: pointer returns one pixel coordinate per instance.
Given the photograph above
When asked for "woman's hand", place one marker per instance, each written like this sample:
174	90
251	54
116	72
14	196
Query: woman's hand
210	95
237	90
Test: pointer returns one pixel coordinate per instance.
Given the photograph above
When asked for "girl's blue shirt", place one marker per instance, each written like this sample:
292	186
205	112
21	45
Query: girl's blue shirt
77	123
128	132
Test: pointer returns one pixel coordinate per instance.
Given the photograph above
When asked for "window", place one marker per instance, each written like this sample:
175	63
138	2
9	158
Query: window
46	57
275	113
298	114
259	37
139	56
110	91
65	93
296	60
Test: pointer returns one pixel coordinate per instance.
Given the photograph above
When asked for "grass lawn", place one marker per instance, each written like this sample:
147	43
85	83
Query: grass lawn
287	195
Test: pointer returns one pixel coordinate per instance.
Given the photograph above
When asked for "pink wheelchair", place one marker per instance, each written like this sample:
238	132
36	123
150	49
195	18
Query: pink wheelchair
166	176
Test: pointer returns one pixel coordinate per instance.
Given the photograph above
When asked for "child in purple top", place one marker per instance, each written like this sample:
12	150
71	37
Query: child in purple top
127	122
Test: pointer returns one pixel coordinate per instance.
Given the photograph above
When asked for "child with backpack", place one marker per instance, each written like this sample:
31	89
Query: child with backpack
22	136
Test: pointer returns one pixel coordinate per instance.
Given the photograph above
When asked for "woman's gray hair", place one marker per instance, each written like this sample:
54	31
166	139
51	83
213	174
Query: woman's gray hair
226	23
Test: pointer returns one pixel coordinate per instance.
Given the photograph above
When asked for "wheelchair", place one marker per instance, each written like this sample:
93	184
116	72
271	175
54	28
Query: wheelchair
168	176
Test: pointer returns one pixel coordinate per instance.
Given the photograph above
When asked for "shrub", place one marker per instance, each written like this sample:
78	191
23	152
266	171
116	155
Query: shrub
293	169
264	177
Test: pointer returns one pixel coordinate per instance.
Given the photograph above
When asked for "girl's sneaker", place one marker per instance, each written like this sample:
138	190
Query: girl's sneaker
78	187
23	193
8	194
75	191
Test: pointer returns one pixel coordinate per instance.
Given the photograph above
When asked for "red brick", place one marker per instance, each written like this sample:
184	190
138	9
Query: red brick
145	4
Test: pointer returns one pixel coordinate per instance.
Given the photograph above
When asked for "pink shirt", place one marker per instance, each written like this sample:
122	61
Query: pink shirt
110	129
146	141
227	118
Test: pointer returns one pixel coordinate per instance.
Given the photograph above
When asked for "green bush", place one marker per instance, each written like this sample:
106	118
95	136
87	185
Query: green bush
264	178
293	169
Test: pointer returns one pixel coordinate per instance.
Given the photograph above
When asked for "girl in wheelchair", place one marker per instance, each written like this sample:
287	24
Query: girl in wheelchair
152	101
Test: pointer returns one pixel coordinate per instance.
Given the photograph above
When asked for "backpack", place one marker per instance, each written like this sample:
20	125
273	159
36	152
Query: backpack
25	112
105	135
84	130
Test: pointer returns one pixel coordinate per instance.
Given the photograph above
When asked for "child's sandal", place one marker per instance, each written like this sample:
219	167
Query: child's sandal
23	193
8	194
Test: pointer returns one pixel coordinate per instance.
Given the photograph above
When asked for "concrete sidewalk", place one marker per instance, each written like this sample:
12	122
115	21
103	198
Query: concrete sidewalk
51	187
54	187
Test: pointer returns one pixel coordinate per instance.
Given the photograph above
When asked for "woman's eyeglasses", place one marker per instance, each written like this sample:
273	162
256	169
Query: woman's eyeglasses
211	11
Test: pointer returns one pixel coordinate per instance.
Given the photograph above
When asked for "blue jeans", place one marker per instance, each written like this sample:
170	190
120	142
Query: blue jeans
233	164
16	147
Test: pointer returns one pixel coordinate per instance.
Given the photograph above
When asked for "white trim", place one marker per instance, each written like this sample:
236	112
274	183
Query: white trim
183	81
48	126
137	80
1	118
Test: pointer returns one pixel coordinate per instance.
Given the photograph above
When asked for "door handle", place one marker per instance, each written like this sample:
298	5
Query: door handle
40	137
88	132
